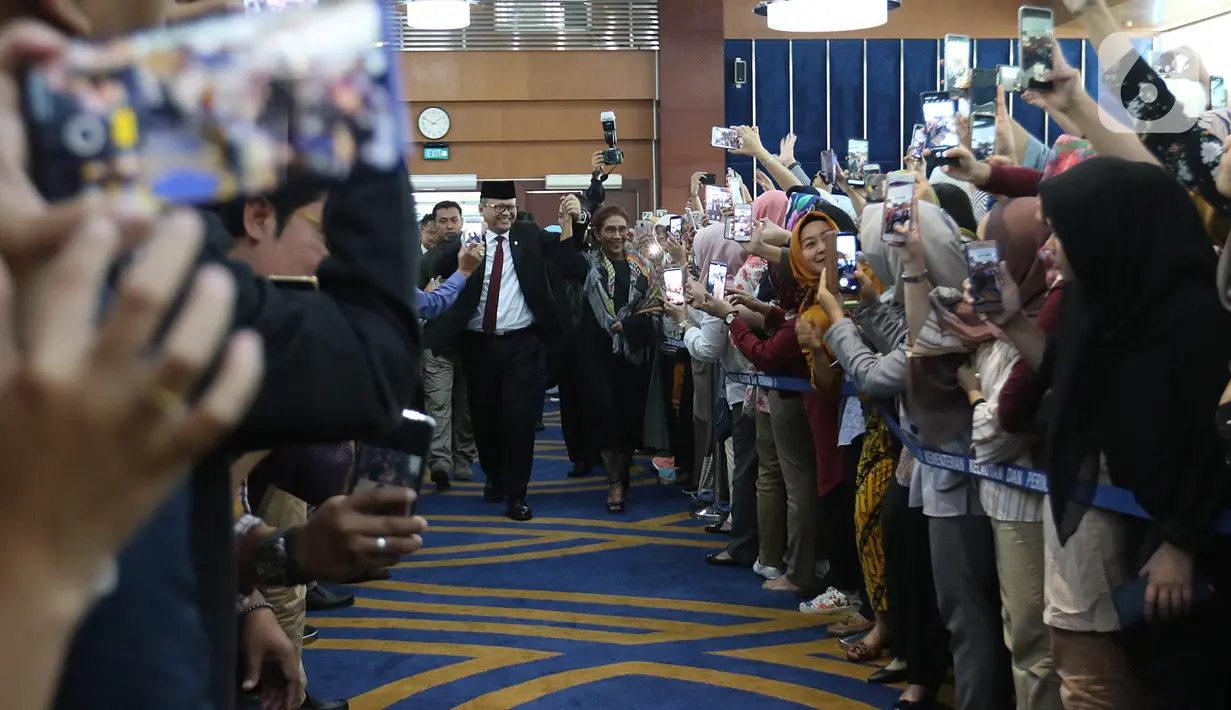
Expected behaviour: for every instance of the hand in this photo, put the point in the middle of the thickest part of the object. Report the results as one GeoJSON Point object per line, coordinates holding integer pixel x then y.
{"type": "Point", "coordinates": [596, 162]}
{"type": "Point", "coordinates": [435, 283]}
{"type": "Point", "coordinates": [101, 421]}
{"type": "Point", "coordinates": [968, 379]}
{"type": "Point", "coordinates": [770, 233]}
{"type": "Point", "coordinates": [339, 541]}
{"type": "Point", "coordinates": [747, 300]}
{"type": "Point", "coordinates": [695, 293]}
{"type": "Point", "coordinates": [270, 660]}
{"type": "Point", "coordinates": [752, 319]}
{"type": "Point", "coordinates": [1169, 594]}
{"type": "Point", "coordinates": [786, 149]}
{"type": "Point", "coordinates": [750, 142]}
{"type": "Point", "coordinates": [469, 258]}
{"type": "Point", "coordinates": [764, 182]}
{"type": "Point", "coordinates": [1222, 177]}
{"type": "Point", "coordinates": [1010, 299]}
{"type": "Point", "coordinates": [1066, 90]}
{"type": "Point", "coordinates": [676, 250]}
{"type": "Point", "coordinates": [718, 308]}
{"type": "Point", "coordinates": [963, 166]}
{"type": "Point", "coordinates": [677, 313]}
{"type": "Point", "coordinates": [570, 207]}
{"type": "Point", "coordinates": [826, 300]}
{"type": "Point", "coordinates": [1006, 144]}
{"type": "Point", "coordinates": [617, 327]}
{"type": "Point", "coordinates": [694, 184]}
{"type": "Point", "coordinates": [868, 295]}
{"type": "Point", "coordinates": [963, 129]}
{"type": "Point", "coordinates": [808, 335]}
{"type": "Point", "coordinates": [911, 244]}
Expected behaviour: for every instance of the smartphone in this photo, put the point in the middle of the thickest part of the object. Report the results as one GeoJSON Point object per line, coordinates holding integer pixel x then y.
{"type": "Point", "coordinates": [716, 279]}
{"type": "Point", "coordinates": [870, 169]}
{"type": "Point", "coordinates": [296, 283]}
{"type": "Point", "coordinates": [939, 121]}
{"type": "Point", "coordinates": [1009, 77]}
{"type": "Point", "coordinates": [472, 238]}
{"type": "Point", "coordinates": [848, 251]}
{"type": "Point", "coordinates": [1036, 29]}
{"type": "Point", "coordinates": [660, 213]}
{"type": "Point", "coordinates": [899, 194]}
{"type": "Point", "coordinates": [397, 459]}
{"type": "Point", "coordinates": [983, 135]}
{"type": "Point", "coordinates": [717, 199]}
{"type": "Point", "coordinates": [917, 139]}
{"type": "Point", "coordinates": [675, 227]}
{"type": "Point", "coordinates": [694, 218]}
{"type": "Point", "coordinates": [876, 187]}
{"type": "Point", "coordinates": [673, 285]}
{"type": "Point", "coordinates": [982, 90]}
{"type": "Point", "coordinates": [957, 63]}
{"type": "Point", "coordinates": [829, 167]}
{"type": "Point", "coordinates": [739, 227]}
{"type": "Point", "coordinates": [856, 156]}
{"type": "Point", "coordinates": [1218, 93]}
{"type": "Point", "coordinates": [983, 267]}
{"type": "Point", "coordinates": [726, 138]}
{"type": "Point", "coordinates": [708, 179]}
{"type": "Point", "coordinates": [200, 112]}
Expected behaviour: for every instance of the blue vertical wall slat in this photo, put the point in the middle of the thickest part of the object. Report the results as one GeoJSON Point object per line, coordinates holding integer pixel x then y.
{"type": "Point", "coordinates": [991, 52]}
{"type": "Point", "coordinates": [773, 77]}
{"type": "Point", "coordinates": [738, 98]}
{"type": "Point", "coordinates": [1031, 118]}
{"type": "Point", "coordinates": [808, 57]}
{"type": "Point", "coordinates": [846, 95]}
{"type": "Point", "coordinates": [1072, 50]}
{"type": "Point", "coordinates": [1091, 76]}
{"type": "Point", "coordinates": [884, 92]}
{"type": "Point", "coordinates": [919, 58]}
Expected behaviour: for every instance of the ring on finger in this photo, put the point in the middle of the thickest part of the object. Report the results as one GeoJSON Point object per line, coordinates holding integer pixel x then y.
{"type": "Point", "coordinates": [381, 544]}
{"type": "Point", "coordinates": [162, 397]}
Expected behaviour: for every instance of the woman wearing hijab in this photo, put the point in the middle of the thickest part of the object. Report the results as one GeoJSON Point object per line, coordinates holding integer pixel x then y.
{"type": "Point", "coordinates": [1135, 371]}
{"type": "Point", "coordinates": [615, 342]}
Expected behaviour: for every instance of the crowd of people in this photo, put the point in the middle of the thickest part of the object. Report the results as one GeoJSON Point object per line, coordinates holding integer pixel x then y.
{"type": "Point", "coordinates": [185, 395]}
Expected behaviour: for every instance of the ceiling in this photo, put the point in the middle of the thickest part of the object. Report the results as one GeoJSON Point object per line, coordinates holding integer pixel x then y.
{"type": "Point", "coordinates": [1162, 14]}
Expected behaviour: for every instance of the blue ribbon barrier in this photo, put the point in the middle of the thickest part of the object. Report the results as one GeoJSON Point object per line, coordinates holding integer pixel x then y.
{"type": "Point", "coordinates": [1106, 497]}
{"type": "Point", "coordinates": [674, 343]}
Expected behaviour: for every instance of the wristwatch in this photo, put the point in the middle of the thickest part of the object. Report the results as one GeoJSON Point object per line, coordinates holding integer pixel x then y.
{"type": "Point", "coordinates": [916, 278]}
{"type": "Point", "coordinates": [730, 318]}
{"type": "Point", "coordinates": [275, 565]}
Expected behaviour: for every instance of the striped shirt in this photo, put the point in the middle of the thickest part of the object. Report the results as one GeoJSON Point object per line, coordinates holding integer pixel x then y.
{"type": "Point", "coordinates": [994, 361]}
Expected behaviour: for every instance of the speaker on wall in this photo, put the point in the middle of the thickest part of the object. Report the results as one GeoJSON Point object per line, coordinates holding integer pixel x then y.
{"type": "Point", "coordinates": [739, 72]}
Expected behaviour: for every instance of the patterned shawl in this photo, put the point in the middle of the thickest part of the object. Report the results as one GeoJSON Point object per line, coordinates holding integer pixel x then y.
{"type": "Point", "coordinates": [599, 292]}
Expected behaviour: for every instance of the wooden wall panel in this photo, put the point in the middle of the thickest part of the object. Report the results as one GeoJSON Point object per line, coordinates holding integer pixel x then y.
{"type": "Point", "coordinates": [492, 121]}
{"type": "Point", "coordinates": [529, 160]}
{"type": "Point", "coordinates": [528, 76]}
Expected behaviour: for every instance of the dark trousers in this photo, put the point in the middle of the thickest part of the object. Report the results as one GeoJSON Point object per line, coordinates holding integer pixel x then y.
{"type": "Point", "coordinates": [742, 546]}
{"type": "Point", "coordinates": [562, 363]}
{"type": "Point", "coordinates": [504, 377]}
{"type": "Point", "coordinates": [681, 431]}
{"type": "Point", "coordinates": [836, 537]}
{"type": "Point", "coordinates": [919, 636]}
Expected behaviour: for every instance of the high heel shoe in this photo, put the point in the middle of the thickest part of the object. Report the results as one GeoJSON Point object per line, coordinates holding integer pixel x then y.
{"type": "Point", "coordinates": [615, 507]}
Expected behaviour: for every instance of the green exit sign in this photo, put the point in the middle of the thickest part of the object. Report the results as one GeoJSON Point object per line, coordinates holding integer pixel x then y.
{"type": "Point", "coordinates": [436, 151]}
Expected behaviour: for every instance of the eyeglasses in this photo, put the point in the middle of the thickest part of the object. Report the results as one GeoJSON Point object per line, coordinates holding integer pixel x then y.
{"type": "Point", "coordinates": [502, 209]}
{"type": "Point", "coordinates": [613, 230]}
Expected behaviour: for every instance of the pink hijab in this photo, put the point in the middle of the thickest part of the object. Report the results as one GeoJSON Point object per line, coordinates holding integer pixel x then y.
{"type": "Point", "coordinates": [771, 205]}
{"type": "Point", "coordinates": [712, 245]}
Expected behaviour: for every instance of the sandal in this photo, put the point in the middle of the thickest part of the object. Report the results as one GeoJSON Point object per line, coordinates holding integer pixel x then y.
{"type": "Point", "coordinates": [860, 652]}
{"type": "Point", "coordinates": [615, 507]}
{"type": "Point", "coordinates": [852, 624]}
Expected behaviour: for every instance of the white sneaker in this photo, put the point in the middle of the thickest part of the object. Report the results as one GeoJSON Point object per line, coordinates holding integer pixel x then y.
{"type": "Point", "coordinates": [766, 572]}
{"type": "Point", "coordinates": [829, 602]}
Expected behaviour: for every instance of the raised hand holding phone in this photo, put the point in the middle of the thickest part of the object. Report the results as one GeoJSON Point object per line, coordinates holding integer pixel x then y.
{"type": "Point", "coordinates": [962, 165]}
{"type": "Point", "coordinates": [1010, 299]}
{"type": "Point", "coordinates": [1065, 90]}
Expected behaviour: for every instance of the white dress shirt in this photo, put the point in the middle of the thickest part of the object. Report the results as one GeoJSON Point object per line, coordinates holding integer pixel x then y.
{"type": "Point", "coordinates": [512, 313]}
{"type": "Point", "coordinates": [708, 340]}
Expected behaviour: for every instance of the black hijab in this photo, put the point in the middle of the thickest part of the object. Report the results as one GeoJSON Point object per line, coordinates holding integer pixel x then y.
{"type": "Point", "coordinates": [1141, 354]}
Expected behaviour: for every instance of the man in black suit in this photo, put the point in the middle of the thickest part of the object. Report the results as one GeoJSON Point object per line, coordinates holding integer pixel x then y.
{"type": "Point", "coordinates": [500, 322]}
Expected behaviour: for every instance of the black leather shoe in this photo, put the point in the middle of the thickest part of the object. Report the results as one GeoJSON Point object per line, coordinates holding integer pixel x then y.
{"type": "Point", "coordinates": [518, 510]}
{"type": "Point", "coordinates": [714, 559]}
{"type": "Point", "coordinates": [311, 703]}
{"type": "Point", "coordinates": [716, 528]}
{"type": "Point", "coordinates": [929, 704]}
{"type": "Point", "coordinates": [322, 598]}
{"type": "Point", "coordinates": [373, 575]}
{"type": "Point", "coordinates": [310, 633]}
{"type": "Point", "coordinates": [888, 677]}
{"type": "Point", "coordinates": [441, 479]}
{"type": "Point", "coordinates": [491, 494]}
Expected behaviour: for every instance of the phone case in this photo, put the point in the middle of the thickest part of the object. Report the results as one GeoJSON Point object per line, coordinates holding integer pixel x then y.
{"type": "Point", "coordinates": [397, 459]}
{"type": "Point", "coordinates": [219, 107]}
{"type": "Point", "coordinates": [899, 196]}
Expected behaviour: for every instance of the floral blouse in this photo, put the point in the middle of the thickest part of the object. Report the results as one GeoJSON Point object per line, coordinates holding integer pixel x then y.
{"type": "Point", "coordinates": [1193, 155]}
{"type": "Point", "coordinates": [748, 280]}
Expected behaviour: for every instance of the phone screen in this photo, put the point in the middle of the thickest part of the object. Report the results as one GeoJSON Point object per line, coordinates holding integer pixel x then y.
{"type": "Point", "coordinates": [397, 459]}
{"type": "Point", "coordinates": [717, 199]}
{"type": "Point", "coordinates": [847, 246]}
{"type": "Point", "coordinates": [295, 283]}
{"type": "Point", "coordinates": [983, 266]}
{"type": "Point", "coordinates": [829, 167]}
{"type": "Point", "coordinates": [673, 285]}
{"type": "Point", "coordinates": [1036, 28]}
{"type": "Point", "coordinates": [675, 227]}
{"type": "Point", "coordinates": [708, 179]}
{"type": "Point", "coordinates": [1009, 77]}
{"type": "Point", "coordinates": [724, 138]}
{"type": "Point", "coordinates": [983, 91]}
{"type": "Point", "coordinates": [739, 227]}
{"type": "Point", "coordinates": [917, 140]}
{"type": "Point", "coordinates": [940, 121]}
{"type": "Point", "coordinates": [957, 63]}
{"type": "Point", "coordinates": [1218, 93]}
{"type": "Point", "coordinates": [716, 279]}
{"type": "Point", "coordinates": [899, 194]}
{"type": "Point", "coordinates": [982, 135]}
{"type": "Point", "coordinates": [856, 156]}
{"type": "Point", "coordinates": [200, 112]}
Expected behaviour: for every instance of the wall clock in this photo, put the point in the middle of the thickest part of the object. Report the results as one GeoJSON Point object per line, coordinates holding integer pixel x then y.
{"type": "Point", "coordinates": [433, 123]}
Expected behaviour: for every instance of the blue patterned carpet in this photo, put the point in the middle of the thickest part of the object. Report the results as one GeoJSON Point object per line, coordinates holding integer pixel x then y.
{"type": "Point", "coordinates": [577, 609]}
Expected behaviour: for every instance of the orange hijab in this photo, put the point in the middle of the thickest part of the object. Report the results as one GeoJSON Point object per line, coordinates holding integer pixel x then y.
{"type": "Point", "coordinates": [810, 312]}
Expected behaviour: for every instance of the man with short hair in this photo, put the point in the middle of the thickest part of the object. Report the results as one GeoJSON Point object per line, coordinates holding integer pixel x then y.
{"type": "Point", "coordinates": [427, 233]}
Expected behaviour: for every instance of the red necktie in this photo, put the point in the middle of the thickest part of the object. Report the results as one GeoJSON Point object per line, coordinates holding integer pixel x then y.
{"type": "Point", "coordinates": [493, 289]}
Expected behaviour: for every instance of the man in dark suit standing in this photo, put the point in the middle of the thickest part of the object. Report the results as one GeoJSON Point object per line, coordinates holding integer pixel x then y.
{"type": "Point", "coordinates": [500, 323]}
